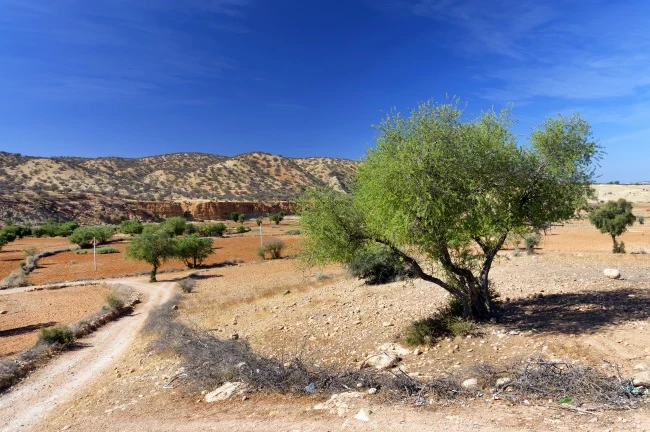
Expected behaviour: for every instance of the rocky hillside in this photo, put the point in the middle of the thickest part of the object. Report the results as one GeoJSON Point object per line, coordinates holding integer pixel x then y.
{"type": "Point", "coordinates": [35, 188]}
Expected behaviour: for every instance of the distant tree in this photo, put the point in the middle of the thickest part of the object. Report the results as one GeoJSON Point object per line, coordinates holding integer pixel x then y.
{"type": "Point", "coordinates": [83, 236]}
{"type": "Point", "coordinates": [6, 237]}
{"type": "Point", "coordinates": [259, 221]}
{"type": "Point", "coordinates": [193, 249]}
{"type": "Point", "coordinates": [276, 217]}
{"type": "Point", "coordinates": [132, 226]}
{"type": "Point", "coordinates": [241, 218]}
{"type": "Point", "coordinates": [234, 216]}
{"type": "Point", "coordinates": [176, 225]}
{"type": "Point", "coordinates": [442, 192]}
{"type": "Point", "coordinates": [613, 218]}
{"type": "Point", "coordinates": [154, 246]}
{"type": "Point", "coordinates": [212, 230]}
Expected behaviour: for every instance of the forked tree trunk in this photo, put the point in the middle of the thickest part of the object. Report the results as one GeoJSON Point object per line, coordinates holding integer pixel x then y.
{"type": "Point", "coordinates": [152, 275]}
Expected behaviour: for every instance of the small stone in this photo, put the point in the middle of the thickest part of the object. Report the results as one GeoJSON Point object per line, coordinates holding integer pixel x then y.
{"type": "Point", "coordinates": [227, 391]}
{"type": "Point", "coordinates": [503, 381]}
{"type": "Point", "coordinates": [417, 351]}
{"type": "Point", "coordinates": [387, 324]}
{"type": "Point", "coordinates": [470, 383]}
{"type": "Point", "coordinates": [641, 379]}
{"type": "Point", "coordinates": [372, 390]}
{"type": "Point", "coordinates": [3, 312]}
{"type": "Point", "coordinates": [175, 307]}
{"type": "Point", "coordinates": [234, 336]}
{"type": "Point", "coordinates": [287, 292]}
{"type": "Point", "coordinates": [612, 273]}
{"type": "Point", "coordinates": [362, 415]}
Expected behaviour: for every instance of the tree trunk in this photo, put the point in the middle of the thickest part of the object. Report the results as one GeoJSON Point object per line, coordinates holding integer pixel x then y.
{"type": "Point", "coordinates": [615, 248]}
{"type": "Point", "coordinates": [152, 275]}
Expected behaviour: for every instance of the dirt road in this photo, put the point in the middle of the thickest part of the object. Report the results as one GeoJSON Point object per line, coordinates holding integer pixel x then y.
{"type": "Point", "coordinates": [30, 401]}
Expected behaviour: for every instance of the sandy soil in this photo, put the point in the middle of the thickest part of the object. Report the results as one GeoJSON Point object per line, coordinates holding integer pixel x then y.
{"type": "Point", "coordinates": [49, 387]}
{"type": "Point", "coordinates": [29, 312]}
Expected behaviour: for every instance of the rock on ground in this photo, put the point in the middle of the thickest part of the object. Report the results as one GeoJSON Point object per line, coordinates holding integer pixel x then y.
{"type": "Point", "coordinates": [227, 391]}
{"type": "Point", "coordinates": [612, 273]}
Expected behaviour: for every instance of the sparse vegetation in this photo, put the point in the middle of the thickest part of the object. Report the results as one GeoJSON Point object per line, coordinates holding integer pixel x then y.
{"type": "Point", "coordinates": [293, 232]}
{"type": "Point", "coordinates": [175, 225]}
{"type": "Point", "coordinates": [640, 219]}
{"type": "Point", "coordinates": [106, 250]}
{"type": "Point", "coordinates": [59, 334]}
{"type": "Point", "coordinates": [531, 240]}
{"type": "Point", "coordinates": [113, 301]}
{"type": "Point", "coordinates": [53, 228]}
{"type": "Point", "coordinates": [276, 217]}
{"type": "Point", "coordinates": [613, 218]}
{"type": "Point", "coordinates": [272, 249]}
{"type": "Point", "coordinates": [154, 246]}
{"type": "Point", "coordinates": [187, 284]}
{"type": "Point", "coordinates": [447, 322]}
{"type": "Point", "coordinates": [241, 229]}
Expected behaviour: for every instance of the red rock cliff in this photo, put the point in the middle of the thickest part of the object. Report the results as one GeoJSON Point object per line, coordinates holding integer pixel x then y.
{"type": "Point", "coordinates": [207, 210]}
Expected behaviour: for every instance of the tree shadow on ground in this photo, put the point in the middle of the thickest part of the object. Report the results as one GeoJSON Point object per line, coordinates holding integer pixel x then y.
{"type": "Point", "coordinates": [25, 329]}
{"type": "Point", "coordinates": [579, 312]}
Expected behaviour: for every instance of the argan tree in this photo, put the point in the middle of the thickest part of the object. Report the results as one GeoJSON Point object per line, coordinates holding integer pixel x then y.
{"type": "Point", "coordinates": [443, 192]}
{"type": "Point", "coordinates": [613, 218]}
{"type": "Point", "coordinates": [193, 250]}
{"type": "Point", "coordinates": [154, 246]}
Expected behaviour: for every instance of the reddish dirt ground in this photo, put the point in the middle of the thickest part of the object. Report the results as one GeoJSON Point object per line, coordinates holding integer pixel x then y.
{"type": "Point", "coordinates": [13, 253]}
{"type": "Point", "coordinates": [28, 312]}
{"type": "Point", "coordinates": [69, 266]}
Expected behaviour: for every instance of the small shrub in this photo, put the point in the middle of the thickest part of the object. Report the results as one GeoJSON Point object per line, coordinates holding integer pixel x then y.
{"type": "Point", "coordinates": [81, 251]}
{"type": "Point", "coordinates": [241, 218]}
{"type": "Point", "coordinates": [378, 265]}
{"type": "Point", "coordinates": [276, 217]}
{"type": "Point", "coordinates": [641, 220]}
{"type": "Point", "coordinates": [234, 216]}
{"type": "Point", "coordinates": [114, 302]}
{"type": "Point", "coordinates": [30, 251]}
{"type": "Point", "coordinates": [619, 247]}
{"type": "Point", "coordinates": [259, 221]}
{"type": "Point", "coordinates": [272, 248]}
{"type": "Point", "coordinates": [107, 250]}
{"type": "Point", "coordinates": [242, 229]}
{"type": "Point", "coordinates": [293, 232]}
{"type": "Point", "coordinates": [187, 285]}
{"type": "Point", "coordinates": [132, 226]}
{"type": "Point", "coordinates": [15, 279]}
{"type": "Point", "coordinates": [212, 230]}
{"type": "Point", "coordinates": [445, 323]}
{"type": "Point", "coordinates": [531, 240]}
{"type": "Point", "coordinates": [59, 334]}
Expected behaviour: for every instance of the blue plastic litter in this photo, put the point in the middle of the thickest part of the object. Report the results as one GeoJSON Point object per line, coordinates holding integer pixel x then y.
{"type": "Point", "coordinates": [310, 388]}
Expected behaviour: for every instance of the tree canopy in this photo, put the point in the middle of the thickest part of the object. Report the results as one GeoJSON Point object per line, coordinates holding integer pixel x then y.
{"type": "Point", "coordinates": [154, 246]}
{"type": "Point", "coordinates": [613, 218]}
{"type": "Point", "coordinates": [443, 193]}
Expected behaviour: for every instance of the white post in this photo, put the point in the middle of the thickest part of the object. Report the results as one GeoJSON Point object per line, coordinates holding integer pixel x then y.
{"type": "Point", "coordinates": [261, 235]}
{"type": "Point", "coordinates": [95, 253]}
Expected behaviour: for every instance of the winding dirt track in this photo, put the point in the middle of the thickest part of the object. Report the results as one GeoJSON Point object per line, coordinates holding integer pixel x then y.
{"type": "Point", "coordinates": [30, 401]}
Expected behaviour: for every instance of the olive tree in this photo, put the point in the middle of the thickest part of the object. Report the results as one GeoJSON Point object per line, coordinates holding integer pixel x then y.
{"type": "Point", "coordinates": [154, 246]}
{"type": "Point", "coordinates": [613, 218]}
{"type": "Point", "coordinates": [443, 193]}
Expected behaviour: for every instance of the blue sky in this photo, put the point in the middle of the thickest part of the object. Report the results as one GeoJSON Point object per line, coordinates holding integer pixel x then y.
{"type": "Point", "coordinates": [309, 78]}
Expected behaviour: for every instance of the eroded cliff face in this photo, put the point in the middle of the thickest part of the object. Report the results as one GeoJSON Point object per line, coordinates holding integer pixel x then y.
{"type": "Point", "coordinates": [210, 210]}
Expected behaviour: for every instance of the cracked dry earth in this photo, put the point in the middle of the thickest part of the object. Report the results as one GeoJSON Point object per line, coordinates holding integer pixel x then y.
{"type": "Point", "coordinates": [556, 302]}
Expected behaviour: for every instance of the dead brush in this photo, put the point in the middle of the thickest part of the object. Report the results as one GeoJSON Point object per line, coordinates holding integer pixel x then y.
{"type": "Point", "coordinates": [539, 378]}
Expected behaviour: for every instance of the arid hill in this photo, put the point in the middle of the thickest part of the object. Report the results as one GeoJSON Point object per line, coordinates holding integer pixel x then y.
{"type": "Point", "coordinates": [33, 189]}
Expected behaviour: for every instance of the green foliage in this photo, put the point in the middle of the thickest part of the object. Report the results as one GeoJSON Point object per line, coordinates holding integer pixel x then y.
{"type": "Point", "coordinates": [154, 246]}
{"type": "Point", "coordinates": [641, 220]}
{"type": "Point", "coordinates": [131, 226]}
{"type": "Point", "coordinates": [52, 228]}
{"type": "Point", "coordinates": [212, 230]}
{"type": "Point", "coordinates": [17, 231]}
{"type": "Point", "coordinates": [259, 221]}
{"type": "Point", "coordinates": [613, 218]}
{"type": "Point", "coordinates": [193, 250]}
{"type": "Point", "coordinates": [81, 251]}
{"type": "Point", "coordinates": [241, 218]}
{"type": "Point", "coordinates": [293, 232]}
{"type": "Point", "coordinates": [234, 216]}
{"type": "Point", "coordinates": [114, 302]}
{"type": "Point", "coordinates": [106, 250]}
{"type": "Point", "coordinates": [272, 248]}
{"type": "Point", "coordinates": [175, 225]}
{"type": "Point", "coordinates": [59, 334]}
{"type": "Point", "coordinates": [531, 241]}
{"type": "Point", "coordinates": [6, 236]}
{"type": "Point", "coordinates": [242, 229]}
{"type": "Point", "coordinates": [378, 265]}
{"type": "Point", "coordinates": [30, 251]}
{"type": "Point", "coordinates": [446, 323]}
{"type": "Point", "coordinates": [83, 236]}
{"type": "Point", "coordinates": [441, 188]}
{"type": "Point", "coordinates": [276, 217]}
{"type": "Point", "coordinates": [190, 228]}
